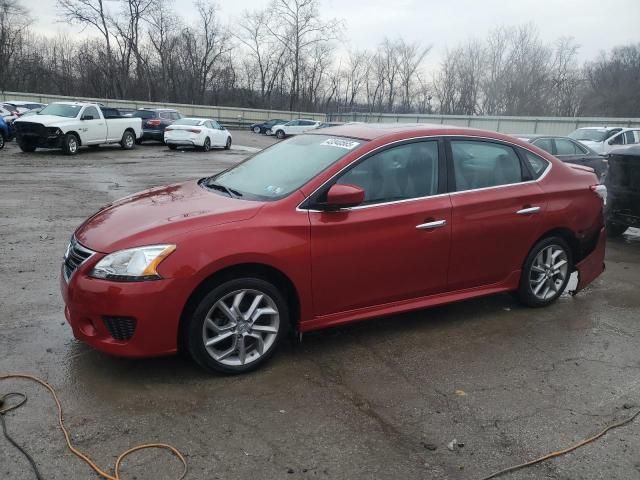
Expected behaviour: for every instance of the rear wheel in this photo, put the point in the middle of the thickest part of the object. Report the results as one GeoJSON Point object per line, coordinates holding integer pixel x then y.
{"type": "Point", "coordinates": [227, 145]}
{"type": "Point", "coordinates": [237, 326]}
{"type": "Point", "coordinates": [70, 144]}
{"type": "Point", "coordinates": [256, 129]}
{"type": "Point", "coordinates": [615, 229]}
{"type": "Point", "coordinates": [206, 146]}
{"type": "Point", "coordinates": [128, 141]}
{"type": "Point", "coordinates": [546, 272]}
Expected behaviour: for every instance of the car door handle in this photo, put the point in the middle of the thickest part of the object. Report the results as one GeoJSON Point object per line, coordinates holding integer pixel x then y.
{"type": "Point", "coordinates": [431, 225]}
{"type": "Point", "coordinates": [528, 210]}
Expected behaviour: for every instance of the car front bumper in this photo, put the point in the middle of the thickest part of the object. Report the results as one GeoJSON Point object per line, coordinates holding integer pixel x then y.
{"type": "Point", "coordinates": [99, 311]}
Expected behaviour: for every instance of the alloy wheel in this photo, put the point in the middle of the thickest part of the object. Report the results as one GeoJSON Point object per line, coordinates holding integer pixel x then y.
{"type": "Point", "coordinates": [548, 272]}
{"type": "Point", "coordinates": [129, 141]}
{"type": "Point", "coordinates": [207, 144]}
{"type": "Point", "coordinates": [72, 144]}
{"type": "Point", "coordinates": [241, 327]}
{"type": "Point", "coordinates": [256, 129]}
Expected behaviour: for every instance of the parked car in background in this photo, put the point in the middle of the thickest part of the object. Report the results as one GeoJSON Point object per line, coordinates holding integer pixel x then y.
{"type": "Point", "coordinates": [568, 150]}
{"type": "Point", "coordinates": [32, 112]}
{"type": "Point", "coordinates": [623, 190]}
{"type": "Point", "coordinates": [394, 218]}
{"type": "Point", "coordinates": [7, 114]}
{"type": "Point", "coordinates": [154, 122]}
{"type": "Point", "coordinates": [5, 133]}
{"type": "Point", "coordinates": [262, 127]}
{"type": "Point", "coordinates": [601, 139]}
{"type": "Point", "coordinates": [202, 133]}
{"type": "Point", "coordinates": [330, 124]}
{"type": "Point", "coordinates": [294, 127]}
{"type": "Point", "coordinates": [22, 107]}
{"type": "Point", "coordinates": [126, 111]}
{"type": "Point", "coordinates": [70, 125]}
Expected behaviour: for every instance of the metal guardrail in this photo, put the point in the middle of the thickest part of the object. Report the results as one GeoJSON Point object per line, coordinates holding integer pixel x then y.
{"type": "Point", "coordinates": [243, 117]}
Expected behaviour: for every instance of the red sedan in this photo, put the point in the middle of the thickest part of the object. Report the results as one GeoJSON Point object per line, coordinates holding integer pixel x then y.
{"type": "Point", "coordinates": [338, 225]}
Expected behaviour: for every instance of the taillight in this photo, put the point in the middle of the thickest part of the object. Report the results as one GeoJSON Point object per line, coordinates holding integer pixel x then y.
{"type": "Point", "coordinates": [601, 191]}
{"type": "Point", "coordinates": [195, 130]}
{"type": "Point", "coordinates": [153, 122]}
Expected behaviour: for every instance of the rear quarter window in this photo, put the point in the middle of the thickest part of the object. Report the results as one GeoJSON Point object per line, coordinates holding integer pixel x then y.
{"type": "Point", "coordinates": [536, 164]}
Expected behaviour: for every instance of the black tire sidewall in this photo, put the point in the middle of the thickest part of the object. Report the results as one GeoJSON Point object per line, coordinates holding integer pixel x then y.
{"type": "Point", "coordinates": [525, 294]}
{"type": "Point", "coordinates": [193, 331]}
{"type": "Point", "coordinates": [123, 143]}
{"type": "Point", "coordinates": [206, 147]}
{"type": "Point", "coordinates": [227, 145]}
{"type": "Point", "coordinates": [65, 144]}
{"type": "Point", "coordinates": [280, 134]}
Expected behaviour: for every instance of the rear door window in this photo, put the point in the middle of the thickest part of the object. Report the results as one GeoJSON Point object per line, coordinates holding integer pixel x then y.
{"type": "Point", "coordinates": [565, 147]}
{"type": "Point", "coordinates": [544, 143]}
{"type": "Point", "coordinates": [478, 164]}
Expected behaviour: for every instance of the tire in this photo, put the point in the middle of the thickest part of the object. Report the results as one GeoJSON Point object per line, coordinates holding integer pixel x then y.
{"type": "Point", "coordinates": [227, 145]}
{"type": "Point", "coordinates": [257, 130]}
{"type": "Point", "coordinates": [267, 131]}
{"type": "Point", "coordinates": [280, 134]}
{"type": "Point", "coordinates": [615, 229]}
{"type": "Point", "coordinates": [128, 141]}
{"type": "Point", "coordinates": [2, 141]}
{"type": "Point", "coordinates": [70, 144]}
{"type": "Point", "coordinates": [172, 147]}
{"type": "Point", "coordinates": [27, 147]}
{"type": "Point", "coordinates": [206, 145]}
{"type": "Point", "coordinates": [209, 314]}
{"type": "Point", "coordinates": [539, 285]}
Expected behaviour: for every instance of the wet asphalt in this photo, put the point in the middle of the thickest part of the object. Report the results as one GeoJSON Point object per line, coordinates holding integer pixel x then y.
{"type": "Point", "coordinates": [376, 400]}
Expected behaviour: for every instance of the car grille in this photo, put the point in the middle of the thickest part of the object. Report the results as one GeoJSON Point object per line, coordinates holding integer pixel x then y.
{"type": "Point", "coordinates": [30, 128]}
{"type": "Point", "coordinates": [75, 256]}
{"type": "Point", "coordinates": [120, 328]}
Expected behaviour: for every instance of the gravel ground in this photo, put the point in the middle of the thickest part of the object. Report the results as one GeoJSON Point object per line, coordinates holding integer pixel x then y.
{"type": "Point", "coordinates": [376, 400]}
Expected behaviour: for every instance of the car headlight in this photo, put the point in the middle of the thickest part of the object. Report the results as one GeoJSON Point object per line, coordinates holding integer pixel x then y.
{"type": "Point", "coordinates": [133, 264]}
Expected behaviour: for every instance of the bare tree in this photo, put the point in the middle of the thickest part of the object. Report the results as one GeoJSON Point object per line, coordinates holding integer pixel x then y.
{"type": "Point", "coordinates": [13, 20]}
{"type": "Point", "coordinates": [410, 58]}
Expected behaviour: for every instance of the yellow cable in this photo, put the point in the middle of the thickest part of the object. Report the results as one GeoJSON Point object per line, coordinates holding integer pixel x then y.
{"type": "Point", "coordinates": [85, 458]}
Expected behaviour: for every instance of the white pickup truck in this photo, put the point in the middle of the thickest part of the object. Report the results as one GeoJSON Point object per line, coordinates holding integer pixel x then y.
{"type": "Point", "coordinates": [70, 125]}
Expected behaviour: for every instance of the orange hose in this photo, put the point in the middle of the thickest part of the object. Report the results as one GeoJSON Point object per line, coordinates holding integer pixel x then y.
{"type": "Point", "coordinates": [85, 458]}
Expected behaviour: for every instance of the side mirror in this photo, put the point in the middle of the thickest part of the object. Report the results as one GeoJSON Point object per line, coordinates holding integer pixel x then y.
{"type": "Point", "coordinates": [87, 117]}
{"type": "Point", "coordinates": [344, 196]}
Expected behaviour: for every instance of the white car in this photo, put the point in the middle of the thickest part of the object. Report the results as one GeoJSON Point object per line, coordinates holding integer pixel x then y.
{"type": "Point", "coordinates": [202, 133]}
{"type": "Point", "coordinates": [603, 139]}
{"type": "Point", "coordinates": [23, 107]}
{"type": "Point", "coordinates": [294, 127]}
{"type": "Point", "coordinates": [7, 114]}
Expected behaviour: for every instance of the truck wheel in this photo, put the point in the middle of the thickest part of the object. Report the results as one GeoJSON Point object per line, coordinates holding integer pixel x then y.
{"type": "Point", "coordinates": [1, 141]}
{"type": "Point", "coordinates": [70, 144]}
{"type": "Point", "coordinates": [26, 146]}
{"type": "Point", "coordinates": [128, 141]}
{"type": "Point", "coordinates": [615, 229]}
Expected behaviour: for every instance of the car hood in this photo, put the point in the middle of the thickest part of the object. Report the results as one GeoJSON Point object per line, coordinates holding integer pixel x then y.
{"type": "Point", "coordinates": [47, 120]}
{"type": "Point", "coordinates": [159, 215]}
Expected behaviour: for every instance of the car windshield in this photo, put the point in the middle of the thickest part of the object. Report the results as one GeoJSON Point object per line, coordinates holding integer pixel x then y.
{"type": "Point", "coordinates": [286, 166]}
{"type": "Point", "coordinates": [188, 121]}
{"type": "Point", "coordinates": [61, 110]}
{"type": "Point", "coordinates": [590, 134]}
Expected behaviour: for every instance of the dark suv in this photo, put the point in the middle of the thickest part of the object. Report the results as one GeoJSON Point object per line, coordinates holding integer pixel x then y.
{"type": "Point", "coordinates": [154, 121]}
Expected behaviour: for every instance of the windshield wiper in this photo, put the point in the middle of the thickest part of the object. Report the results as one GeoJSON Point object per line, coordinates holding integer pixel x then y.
{"type": "Point", "coordinates": [229, 191]}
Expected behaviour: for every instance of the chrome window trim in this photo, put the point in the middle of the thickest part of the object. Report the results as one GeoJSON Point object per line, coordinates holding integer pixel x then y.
{"type": "Point", "coordinates": [429, 137]}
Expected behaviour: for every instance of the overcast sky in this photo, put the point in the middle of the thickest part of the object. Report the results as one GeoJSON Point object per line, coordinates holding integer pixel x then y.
{"type": "Point", "coordinates": [595, 24]}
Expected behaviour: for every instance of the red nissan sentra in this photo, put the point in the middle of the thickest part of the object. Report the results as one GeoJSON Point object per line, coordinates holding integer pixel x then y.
{"type": "Point", "coordinates": [330, 227]}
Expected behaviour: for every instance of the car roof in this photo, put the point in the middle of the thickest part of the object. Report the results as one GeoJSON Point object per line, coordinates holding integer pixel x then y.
{"type": "Point", "coordinates": [373, 131]}
{"type": "Point", "coordinates": [598, 128]}
{"type": "Point", "coordinates": [153, 109]}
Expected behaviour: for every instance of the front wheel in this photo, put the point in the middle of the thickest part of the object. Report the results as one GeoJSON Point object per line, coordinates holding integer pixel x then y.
{"type": "Point", "coordinates": [280, 134]}
{"type": "Point", "coordinates": [227, 145]}
{"type": "Point", "coordinates": [237, 326]}
{"type": "Point", "coordinates": [128, 141]}
{"type": "Point", "coordinates": [26, 146]}
{"type": "Point", "coordinates": [70, 144]}
{"type": "Point", "coordinates": [546, 272]}
{"type": "Point", "coordinates": [615, 229]}
{"type": "Point", "coordinates": [206, 146]}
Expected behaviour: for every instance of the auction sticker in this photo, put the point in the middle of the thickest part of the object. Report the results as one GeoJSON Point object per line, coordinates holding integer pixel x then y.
{"type": "Point", "coordinates": [340, 143]}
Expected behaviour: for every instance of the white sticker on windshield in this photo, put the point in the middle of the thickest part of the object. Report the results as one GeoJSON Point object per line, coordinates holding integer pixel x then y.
{"type": "Point", "coordinates": [341, 143]}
